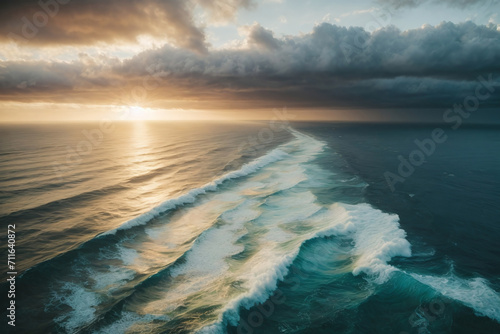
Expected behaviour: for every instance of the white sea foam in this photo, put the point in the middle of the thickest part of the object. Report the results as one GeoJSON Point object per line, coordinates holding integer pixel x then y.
{"type": "Point", "coordinates": [474, 293]}
{"type": "Point", "coordinates": [81, 301]}
{"type": "Point", "coordinates": [205, 262]}
{"type": "Point", "coordinates": [293, 207]}
{"type": "Point", "coordinates": [307, 148]}
{"type": "Point", "coordinates": [266, 271]}
{"type": "Point", "coordinates": [376, 235]}
{"type": "Point", "coordinates": [377, 238]}
{"type": "Point", "coordinates": [290, 206]}
{"type": "Point", "coordinates": [241, 214]}
{"type": "Point", "coordinates": [84, 297]}
{"type": "Point", "coordinates": [190, 197]}
{"type": "Point", "coordinates": [113, 279]}
{"type": "Point", "coordinates": [206, 258]}
{"type": "Point", "coordinates": [128, 255]}
{"type": "Point", "coordinates": [127, 321]}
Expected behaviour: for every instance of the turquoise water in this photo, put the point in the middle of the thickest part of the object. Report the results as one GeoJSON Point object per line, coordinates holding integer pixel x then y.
{"type": "Point", "coordinates": [252, 228]}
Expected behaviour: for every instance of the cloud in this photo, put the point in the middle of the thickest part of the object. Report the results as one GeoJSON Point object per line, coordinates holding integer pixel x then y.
{"type": "Point", "coordinates": [451, 3]}
{"type": "Point", "coordinates": [430, 67]}
{"type": "Point", "coordinates": [332, 52]}
{"type": "Point", "coordinates": [225, 10]}
{"type": "Point", "coordinates": [262, 37]}
{"type": "Point", "coordinates": [56, 22]}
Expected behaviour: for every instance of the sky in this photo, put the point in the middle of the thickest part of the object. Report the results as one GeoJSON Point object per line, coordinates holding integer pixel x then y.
{"type": "Point", "coordinates": [361, 60]}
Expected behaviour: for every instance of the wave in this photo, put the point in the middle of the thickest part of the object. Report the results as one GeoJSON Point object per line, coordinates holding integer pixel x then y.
{"type": "Point", "coordinates": [377, 239]}
{"type": "Point", "coordinates": [78, 200]}
{"type": "Point", "coordinates": [228, 251]}
{"type": "Point", "coordinates": [275, 214]}
{"type": "Point", "coordinates": [119, 268]}
{"type": "Point", "coordinates": [376, 236]}
{"type": "Point", "coordinates": [128, 320]}
{"type": "Point", "coordinates": [80, 300]}
{"type": "Point", "coordinates": [247, 169]}
{"type": "Point", "coordinates": [190, 197]}
{"type": "Point", "coordinates": [206, 259]}
{"type": "Point", "coordinates": [474, 293]}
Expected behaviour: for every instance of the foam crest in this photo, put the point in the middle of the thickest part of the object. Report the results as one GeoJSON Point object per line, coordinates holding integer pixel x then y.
{"type": "Point", "coordinates": [206, 262]}
{"type": "Point", "coordinates": [376, 235]}
{"type": "Point", "coordinates": [81, 301]}
{"type": "Point", "coordinates": [113, 279]}
{"type": "Point", "coordinates": [267, 271]}
{"type": "Point", "coordinates": [307, 148]}
{"type": "Point", "coordinates": [278, 214]}
{"type": "Point", "coordinates": [129, 320]}
{"type": "Point", "coordinates": [190, 197]}
{"type": "Point", "coordinates": [474, 293]}
{"type": "Point", "coordinates": [377, 239]}
{"type": "Point", "coordinates": [294, 207]}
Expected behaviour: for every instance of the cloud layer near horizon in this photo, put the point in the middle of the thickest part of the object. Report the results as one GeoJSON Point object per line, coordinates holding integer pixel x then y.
{"type": "Point", "coordinates": [330, 67]}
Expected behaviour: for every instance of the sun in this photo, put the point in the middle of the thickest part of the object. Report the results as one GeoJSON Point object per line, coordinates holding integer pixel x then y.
{"type": "Point", "coordinates": [136, 113]}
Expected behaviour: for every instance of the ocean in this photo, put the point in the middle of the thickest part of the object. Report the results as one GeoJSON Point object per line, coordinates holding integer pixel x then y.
{"type": "Point", "coordinates": [251, 227]}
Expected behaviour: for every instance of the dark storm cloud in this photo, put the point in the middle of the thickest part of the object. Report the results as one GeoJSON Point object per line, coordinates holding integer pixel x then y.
{"type": "Point", "coordinates": [332, 53]}
{"type": "Point", "coordinates": [330, 67]}
{"type": "Point", "coordinates": [49, 22]}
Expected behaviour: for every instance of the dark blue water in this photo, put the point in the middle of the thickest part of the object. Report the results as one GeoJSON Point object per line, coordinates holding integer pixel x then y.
{"type": "Point", "coordinates": [251, 228]}
{"type": "Point", "coordinates": [450, 209]}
